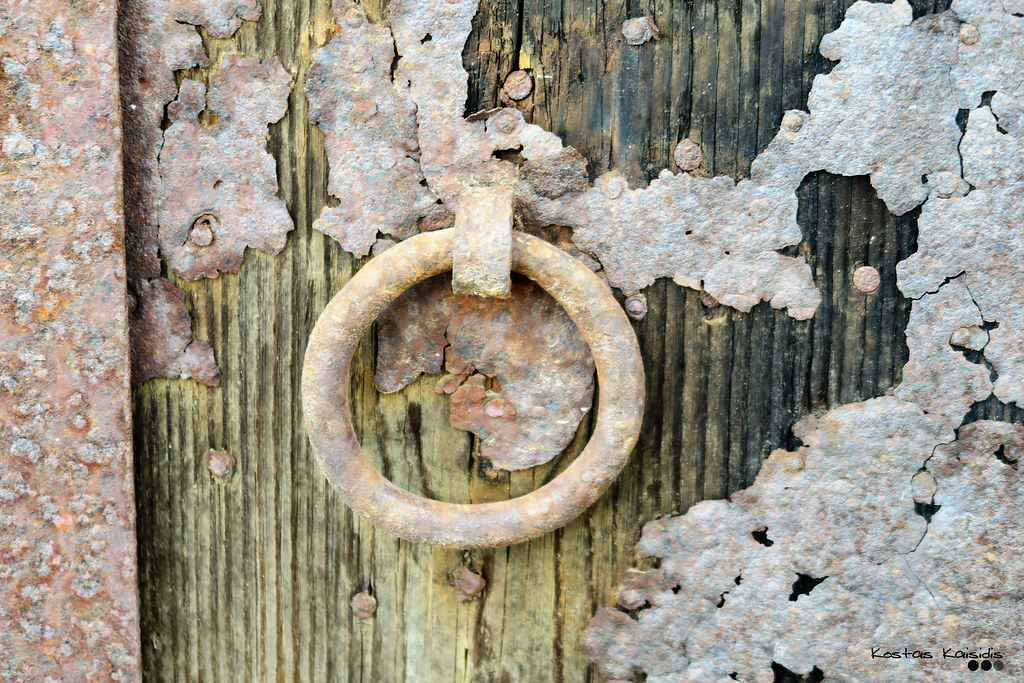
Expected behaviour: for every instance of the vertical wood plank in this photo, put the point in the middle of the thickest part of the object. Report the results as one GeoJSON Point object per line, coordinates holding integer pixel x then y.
{"type": "Point", "coordinates": [251, 581]}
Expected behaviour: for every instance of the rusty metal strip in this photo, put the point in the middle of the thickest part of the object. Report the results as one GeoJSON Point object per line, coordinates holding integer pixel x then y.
{"type": "Point", "coordinates": [68, 601]}
{"type": "Point", "coordinates": [482, 249]}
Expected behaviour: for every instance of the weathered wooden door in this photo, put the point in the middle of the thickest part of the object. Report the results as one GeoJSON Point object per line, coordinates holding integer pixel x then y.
{"type": "Point", "coordinates": [250, 577]}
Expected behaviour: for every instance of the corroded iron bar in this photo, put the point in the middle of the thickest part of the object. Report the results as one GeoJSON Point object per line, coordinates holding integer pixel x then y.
{"type": "Point", "coordinates": [68, 599]}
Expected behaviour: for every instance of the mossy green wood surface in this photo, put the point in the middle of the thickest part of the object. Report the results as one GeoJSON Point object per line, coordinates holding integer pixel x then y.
{"type": "Point", "coordinates": [251, 581]}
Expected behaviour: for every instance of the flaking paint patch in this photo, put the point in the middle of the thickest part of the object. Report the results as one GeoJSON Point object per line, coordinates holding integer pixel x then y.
{"type": "Point", "coordinates": [859, 119]}
{"type": "Point", "coordinates": [704, 233]}
{"type": "Point", "coordinates": [840, 511]}
{"type": "Point", "coordinates": [162, 343]}
{"type": "Point", "coordinates": [546, 375]}
{"type": "Point", "coordinates": [979, 235]}
{"type": "Point", "coordinates": [369, 123]}
{"type": "Point", "coordinates": [218, 184]}
{"type": "Point", "coordinates": [157, 38]}
{"type": "Point", "coordinates": [937, 376]}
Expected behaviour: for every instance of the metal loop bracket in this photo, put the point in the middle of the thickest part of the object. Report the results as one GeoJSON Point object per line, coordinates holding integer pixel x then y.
{"type": "Point", "coordinates": [325, 377]}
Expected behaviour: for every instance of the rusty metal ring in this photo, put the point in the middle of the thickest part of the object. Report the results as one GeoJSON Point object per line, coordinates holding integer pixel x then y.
{"type": "Point", "coordinates": [325, 377]}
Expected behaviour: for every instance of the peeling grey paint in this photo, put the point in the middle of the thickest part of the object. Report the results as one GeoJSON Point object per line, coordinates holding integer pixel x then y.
{"type": "Point", "coordinates": [725, 598]}
{"type": "Point", "coordinates": [198, 195]}
{"type": "Point", "coordinates": [900, 529]}
{"type": "Point", "coordinates": [369, 124]}
{"type": "Point", "coordinates": [937, 376]}
{"type": "Point", "coordinates": [979, 235]}
{"type": "Point", "coordinates": [218, 184]}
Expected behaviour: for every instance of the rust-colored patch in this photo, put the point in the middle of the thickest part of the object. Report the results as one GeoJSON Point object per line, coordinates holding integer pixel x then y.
{"type": "Point", "coordinates": [556, 174]}
{"type": "Point", "coordinates": [218, 184]}
{"type": "Point", "coordinates": [162, 343]}
{"type": "Point", "coordinates": [694, 230]}
{"type": "Point", "coordinates": [68, 598]}
{"type": "Point", "coordinates": [527, 343]}
{"type": "Point", "coordinates": [885, 530]}
{"type": "Point", "coordinates": [157, 38]}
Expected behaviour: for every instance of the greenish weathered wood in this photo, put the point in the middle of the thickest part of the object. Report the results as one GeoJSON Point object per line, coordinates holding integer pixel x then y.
{"type": "Point", "coordinates": [251, 581]}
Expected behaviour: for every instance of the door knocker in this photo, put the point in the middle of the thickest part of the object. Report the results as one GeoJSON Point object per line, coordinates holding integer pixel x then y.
{"type": "Point", "coordinates": [591, 306]}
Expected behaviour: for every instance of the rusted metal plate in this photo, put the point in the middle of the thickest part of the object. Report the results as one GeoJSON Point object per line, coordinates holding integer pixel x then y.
{"type": "Point", "coordinates": [527, 343]}
{"type": "Point", "coordinates": [68, 602]}
{"type": "Point", "coordinates": [218, 183]}
{"type": "Point", "coordinates": [159, 37]}
{"type": "Point", "coordinates": [887, 109]}
{"type": "Point", "coordinates": [824, 558]}
{"type": "Point", "coordinates": [162, 344]}
{"type": "Point", "coordinates": [325, 403]}
{"type": "Point", "coordinates": [393, 116]}
{"type": "Point", "coordinates": [369, 123]}
{"type": "Point", "coordinates": [214, 188]}
{"type": "Point", "coordinates": [705, 233]}
{"type": "Point", "coordinates": [887, 530]}
{"type": "Point", "coordinates": [990, 54]}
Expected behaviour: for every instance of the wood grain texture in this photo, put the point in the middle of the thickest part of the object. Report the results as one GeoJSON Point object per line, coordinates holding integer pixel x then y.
{"type": "Point", "coordinates": [251, 581]}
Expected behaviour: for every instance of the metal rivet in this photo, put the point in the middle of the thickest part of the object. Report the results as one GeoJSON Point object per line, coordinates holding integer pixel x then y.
{"type": "Point", "coordinates": [518, 85]}
{"type": "Point", "coordinates": [866, 279]}
{"type": "Point", "coordinates": [364, 605]}
{"type": "Point", "coordinates": [220, 463]}
{"type": "Point", "coordinates": [793, 120]}
{"type": "Point", "coordinates": [969, 35]}
{"type": "Point", "coordinates": [945, 182]}
{"type": "Point", "coordinates": [688, 155]}
{"type": "Point", "coordinates": [636, 306]}
{"type": "Point", "coordinates": [639, 30]}
{"type": "Point", "coordinates": [201, 234]}
{"type": "Point", "coordinates": [494, 408]}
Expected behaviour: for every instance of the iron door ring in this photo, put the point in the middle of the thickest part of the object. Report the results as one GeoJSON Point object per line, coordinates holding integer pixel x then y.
{"type": "Point", "coordinates": [325, 376]}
